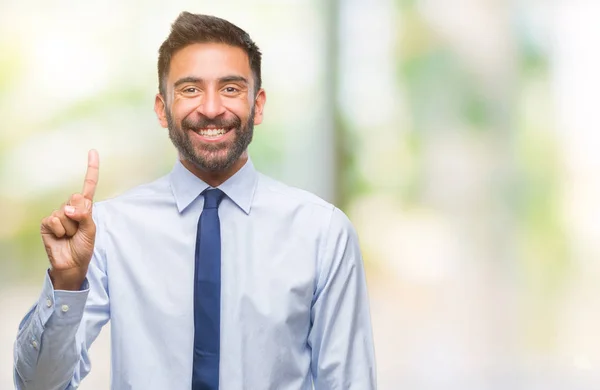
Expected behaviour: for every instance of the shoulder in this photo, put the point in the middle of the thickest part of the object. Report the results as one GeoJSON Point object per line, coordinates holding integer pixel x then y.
{"type": "Point", "coordinates": [148, 193]}
{"type": "Point", "coordinates": [277, 191]}
{"type": "Point", "coordinates": [282, 197]}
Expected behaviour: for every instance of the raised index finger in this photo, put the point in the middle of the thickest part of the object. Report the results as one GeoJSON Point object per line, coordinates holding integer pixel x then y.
{"type": "Point", "coordinates": [91, 176]}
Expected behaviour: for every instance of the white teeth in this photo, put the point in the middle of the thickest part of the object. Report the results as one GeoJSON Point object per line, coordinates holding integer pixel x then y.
{"type": "Point", "coordinates": [211, 132]}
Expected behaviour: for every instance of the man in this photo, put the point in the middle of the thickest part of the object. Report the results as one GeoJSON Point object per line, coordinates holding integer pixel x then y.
{"type": "Point", "coordinates": [213, 277]}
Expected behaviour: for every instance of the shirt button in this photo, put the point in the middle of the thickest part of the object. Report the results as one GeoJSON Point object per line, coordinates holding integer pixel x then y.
{"type": "Point", "coordinates": [34, 344]}
{"type": "Point", "coordinates": [48, 302]}
{"type": "Point", "coordinates": [64, 308]}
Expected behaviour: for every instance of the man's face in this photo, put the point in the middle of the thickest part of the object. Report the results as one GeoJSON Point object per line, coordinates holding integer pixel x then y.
{"type": "Point", "coordinates": [210, 107]}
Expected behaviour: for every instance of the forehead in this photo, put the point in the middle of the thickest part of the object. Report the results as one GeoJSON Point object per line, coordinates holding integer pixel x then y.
{"type": "Point", "coordinates": [209, 61]}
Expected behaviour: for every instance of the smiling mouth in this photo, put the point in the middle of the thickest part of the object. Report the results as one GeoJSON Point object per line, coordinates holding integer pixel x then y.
{"type": "Point", "coordinates": [212, 132]}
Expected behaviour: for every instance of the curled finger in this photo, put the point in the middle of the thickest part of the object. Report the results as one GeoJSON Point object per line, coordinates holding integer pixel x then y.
{"type": "Point", "coordinates": [69, 225]}
{"type": "Point", "coordinates": [52, 225]}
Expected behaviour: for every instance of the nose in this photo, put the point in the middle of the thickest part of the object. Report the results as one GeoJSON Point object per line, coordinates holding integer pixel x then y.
{"type": "Point", "coordinates": [211, 106]}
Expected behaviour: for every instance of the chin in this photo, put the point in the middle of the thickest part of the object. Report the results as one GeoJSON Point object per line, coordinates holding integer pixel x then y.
{"type": "Point", "coordinates": [214, 164]}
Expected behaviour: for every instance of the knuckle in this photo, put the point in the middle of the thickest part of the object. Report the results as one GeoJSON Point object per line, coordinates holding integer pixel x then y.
{"type": "Point", "coordinates": [53, 224]}
{"type": "Point", "coordinates": [49, 229]}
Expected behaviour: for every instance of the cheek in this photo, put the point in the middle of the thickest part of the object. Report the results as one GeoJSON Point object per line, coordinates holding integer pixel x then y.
{"type": "Point", "coordinates": [183, 108]}
{"type": "Point", "coordinates": [239, 109]}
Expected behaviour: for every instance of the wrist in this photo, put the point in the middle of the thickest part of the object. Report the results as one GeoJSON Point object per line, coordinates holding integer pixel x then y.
{"type": "Point", "coordinates": [69, 280]}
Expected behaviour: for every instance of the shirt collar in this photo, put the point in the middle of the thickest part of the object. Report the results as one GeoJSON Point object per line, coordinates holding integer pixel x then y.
{"type": "Point", "coordinates": [239, 188]}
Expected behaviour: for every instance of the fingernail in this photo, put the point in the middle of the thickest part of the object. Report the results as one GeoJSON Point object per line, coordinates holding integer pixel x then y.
{"type": "Point", "coordinates": [69, 209]}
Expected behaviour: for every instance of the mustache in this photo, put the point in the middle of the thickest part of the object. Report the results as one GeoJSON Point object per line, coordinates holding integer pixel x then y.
{"type": "Point", "coordinates": [204, 122]}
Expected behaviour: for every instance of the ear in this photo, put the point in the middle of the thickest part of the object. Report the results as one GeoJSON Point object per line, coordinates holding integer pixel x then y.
{"type": "Point", "coordinates": [259, 105]}
{"type": "Point", "coordinates": [160, 108]}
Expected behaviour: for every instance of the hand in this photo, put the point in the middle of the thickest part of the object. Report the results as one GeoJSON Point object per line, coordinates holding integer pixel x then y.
{"type": "Point", "coordinates": [69, 233]}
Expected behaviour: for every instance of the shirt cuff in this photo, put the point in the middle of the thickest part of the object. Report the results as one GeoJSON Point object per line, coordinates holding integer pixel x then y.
{"type": "Point", "coordinates": [64, 308]}
{"type": "Point", "coordinates": [67, 306]}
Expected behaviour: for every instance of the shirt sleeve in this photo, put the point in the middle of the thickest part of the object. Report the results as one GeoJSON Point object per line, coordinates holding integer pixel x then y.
{"type": "Point", "coordinates": [51, 349]}
{"type": "Point", "coordinates": [341, 338]}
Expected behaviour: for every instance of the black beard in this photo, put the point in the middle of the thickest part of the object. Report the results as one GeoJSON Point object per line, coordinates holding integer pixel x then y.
{"type": "Point", "coordinates": [211, 157]}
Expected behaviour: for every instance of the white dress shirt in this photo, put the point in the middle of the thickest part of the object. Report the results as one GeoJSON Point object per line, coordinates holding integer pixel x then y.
{"type": "Point", "coordinates": [294, 305]}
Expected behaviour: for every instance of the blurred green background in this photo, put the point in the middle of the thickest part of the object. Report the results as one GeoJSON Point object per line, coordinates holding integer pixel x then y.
{"type": "Point", "coordinates": [460, 136]}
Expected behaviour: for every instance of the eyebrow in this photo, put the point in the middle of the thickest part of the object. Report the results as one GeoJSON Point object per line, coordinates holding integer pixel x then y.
{"type": "Point", "coordinates": [198, 80]}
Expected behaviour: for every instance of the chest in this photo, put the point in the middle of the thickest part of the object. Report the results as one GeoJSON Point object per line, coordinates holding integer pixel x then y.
{"type": "Point", "coordinates": [268, 273]}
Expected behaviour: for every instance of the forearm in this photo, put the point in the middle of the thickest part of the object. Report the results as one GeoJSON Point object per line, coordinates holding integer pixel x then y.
{"type": "Point", "coordinates": [46, 350]}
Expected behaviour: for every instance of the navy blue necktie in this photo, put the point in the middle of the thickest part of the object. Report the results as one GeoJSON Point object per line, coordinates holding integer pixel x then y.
{"type": "Point", "coordinates": [207, 295]}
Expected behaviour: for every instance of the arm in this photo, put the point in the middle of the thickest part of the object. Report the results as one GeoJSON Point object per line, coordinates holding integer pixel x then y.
{"type": "Point", "coordinates": [341, 337]}
{"type": "Point", "coordinates": [53, 339]}
{"type": "Point", "coordinates": [51, 350]}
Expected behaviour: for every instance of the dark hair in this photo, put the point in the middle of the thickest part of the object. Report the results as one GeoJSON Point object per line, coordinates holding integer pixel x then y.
{"type": "Point", "coordinates": [191, 28]}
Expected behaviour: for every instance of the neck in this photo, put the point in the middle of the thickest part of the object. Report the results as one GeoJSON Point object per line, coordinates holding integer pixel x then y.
{"type": "Point", "coordinates": [215, 178]}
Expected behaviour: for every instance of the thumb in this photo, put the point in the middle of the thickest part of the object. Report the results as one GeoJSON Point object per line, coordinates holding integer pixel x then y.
{"type": "Point", "coordinates": [81, 212]}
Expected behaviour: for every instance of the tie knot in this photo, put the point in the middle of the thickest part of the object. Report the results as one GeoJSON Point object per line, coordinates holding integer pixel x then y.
{"type": "Point", "coordinates": [212, 198]}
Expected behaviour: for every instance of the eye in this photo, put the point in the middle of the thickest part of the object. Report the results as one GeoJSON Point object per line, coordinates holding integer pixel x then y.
{"type": "Point", "coordinates": [190, 90]}
{"type": "Point", "coordinates": [231, 89]}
